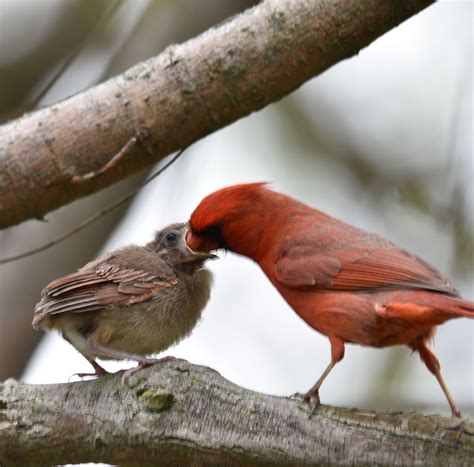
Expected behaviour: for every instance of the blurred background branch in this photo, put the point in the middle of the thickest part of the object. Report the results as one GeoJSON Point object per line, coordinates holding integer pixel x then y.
{"type": "Point", "coordinates": [180, 96]}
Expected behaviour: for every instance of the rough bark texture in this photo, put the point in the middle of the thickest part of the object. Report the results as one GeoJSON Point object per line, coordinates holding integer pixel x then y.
{"type": "Point", "coordinates": [181, 414]}
{"type": "Point", "coordinates": [181, 95]}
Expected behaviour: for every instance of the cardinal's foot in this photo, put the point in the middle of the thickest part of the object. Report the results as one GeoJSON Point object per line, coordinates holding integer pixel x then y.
{"type": "Point", "coordinates": [296, 396]}
{"type": "Point", "coordinates": [455, 412]}
{"type": "Point", "coordinates": [312, 398]}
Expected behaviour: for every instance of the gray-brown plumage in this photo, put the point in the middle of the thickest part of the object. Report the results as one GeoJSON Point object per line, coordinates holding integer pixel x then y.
{"type": "Point", "coordinates": [129, 303]}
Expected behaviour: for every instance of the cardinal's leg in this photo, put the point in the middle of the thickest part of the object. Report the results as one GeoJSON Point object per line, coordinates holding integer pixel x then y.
{"type": "Point", "coordinates": [106, 352]}
{"type": "Point", "coordinates": [337, 354]}
{"type": "Point", "coordinates": [433, 365]}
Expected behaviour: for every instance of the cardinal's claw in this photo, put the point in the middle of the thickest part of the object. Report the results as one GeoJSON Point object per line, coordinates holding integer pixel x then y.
{"type": "Point", "coordinates": [312, 398]}
{"type": "Point", "coordinates": [314, 403]}
{"type": "Point", "coordinates": [296, 396]}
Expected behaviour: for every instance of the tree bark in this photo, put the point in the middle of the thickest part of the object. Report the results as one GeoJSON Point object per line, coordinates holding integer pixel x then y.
{"type": "Point", "coordinates": [181, 414]}
{"type": "Point", "coordinates": [178, 97]}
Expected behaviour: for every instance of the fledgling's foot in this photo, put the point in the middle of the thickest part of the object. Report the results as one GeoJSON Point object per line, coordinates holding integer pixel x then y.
{"type": "Point", "coordinates": [127, 374]}
{"type": "Point", "coordinates": [89, 375]}
{"type": "Point", "coordinates": [99, 371]}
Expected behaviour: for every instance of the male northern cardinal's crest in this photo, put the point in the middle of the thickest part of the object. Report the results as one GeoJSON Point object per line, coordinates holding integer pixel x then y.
{"type": "Point", "coordinates": [351, 285]}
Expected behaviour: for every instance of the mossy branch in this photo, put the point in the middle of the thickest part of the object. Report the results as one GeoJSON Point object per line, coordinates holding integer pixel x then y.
{"type": "Point", "coordinates": [181, 414]}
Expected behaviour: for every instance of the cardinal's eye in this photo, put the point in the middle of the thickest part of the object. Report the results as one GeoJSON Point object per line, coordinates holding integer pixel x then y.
{"type": "Point", "coordinates": [170, 239]}
{"type": "Point", "coordinates": [214, 234]}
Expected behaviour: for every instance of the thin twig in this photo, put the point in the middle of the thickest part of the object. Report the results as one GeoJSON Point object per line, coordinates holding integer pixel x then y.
{"type": "Point", "coordinates": [93, 218]}
{"type": "Point", "coordinates": [108, 15]}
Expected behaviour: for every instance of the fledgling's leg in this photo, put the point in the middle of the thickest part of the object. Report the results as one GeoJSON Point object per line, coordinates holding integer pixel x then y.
{"type": "Point", "coordinates": [107, 352]}
{"type": "Point", "coordinates": [99, 371]}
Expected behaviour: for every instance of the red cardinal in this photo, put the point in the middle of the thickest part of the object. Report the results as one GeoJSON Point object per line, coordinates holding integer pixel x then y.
{"type": "Point", "coordinates": [351, 285]}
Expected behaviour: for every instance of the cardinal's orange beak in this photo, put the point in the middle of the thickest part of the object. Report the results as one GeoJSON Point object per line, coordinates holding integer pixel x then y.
{"type": "Point", "coordinates": [197, 248]}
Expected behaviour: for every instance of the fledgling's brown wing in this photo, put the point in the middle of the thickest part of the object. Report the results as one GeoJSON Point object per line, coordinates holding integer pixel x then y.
{"type": "Point", "coordinates": [107, 283]}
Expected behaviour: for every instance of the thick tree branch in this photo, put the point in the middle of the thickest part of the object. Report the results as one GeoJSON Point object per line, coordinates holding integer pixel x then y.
{"type": "Point", "coordinates": [180, 96]}
{"type": "Point", "coordinates": [181, 414]}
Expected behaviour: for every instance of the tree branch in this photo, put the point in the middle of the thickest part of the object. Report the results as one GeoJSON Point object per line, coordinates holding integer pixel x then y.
{"type": "Point", "coordinates": [180, 96]}
{"type": "Point", "coordinates": [180, 414]}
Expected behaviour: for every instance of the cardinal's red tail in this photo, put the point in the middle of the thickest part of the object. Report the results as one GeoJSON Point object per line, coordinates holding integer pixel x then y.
{"type": "Point", "coordinates": [428, 308]}
{"type": "Point", "coordinates": [457, 306]}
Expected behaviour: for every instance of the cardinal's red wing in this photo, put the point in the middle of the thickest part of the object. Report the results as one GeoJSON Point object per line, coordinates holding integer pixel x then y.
{"type": "Point", "coordinates": [107, 284]}
{"type": "Point", "coordinates": [356, 269]}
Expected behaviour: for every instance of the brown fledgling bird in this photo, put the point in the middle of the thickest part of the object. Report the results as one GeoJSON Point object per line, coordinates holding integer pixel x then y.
{"type": "Point", "coordinates": [130, 303]}
{"type": "Point", "coordinates": [353, 286]}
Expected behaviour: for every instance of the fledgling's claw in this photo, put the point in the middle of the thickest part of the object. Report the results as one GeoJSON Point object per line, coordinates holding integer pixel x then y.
{"type": "Point", "coordinates": [127, 374]}
{"type": "Point", "coordinates": [99, 371]}
{"type": "Point", "coordinates": [86, 375]}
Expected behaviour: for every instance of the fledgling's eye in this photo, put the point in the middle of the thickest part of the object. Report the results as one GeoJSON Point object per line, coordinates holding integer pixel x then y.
{"type": "Point", "coordinates": [170, 239]}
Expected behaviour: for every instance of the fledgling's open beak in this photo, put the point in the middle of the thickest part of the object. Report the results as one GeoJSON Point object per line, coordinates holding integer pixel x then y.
{"type": "Point", "coordinates": [198, 256]}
